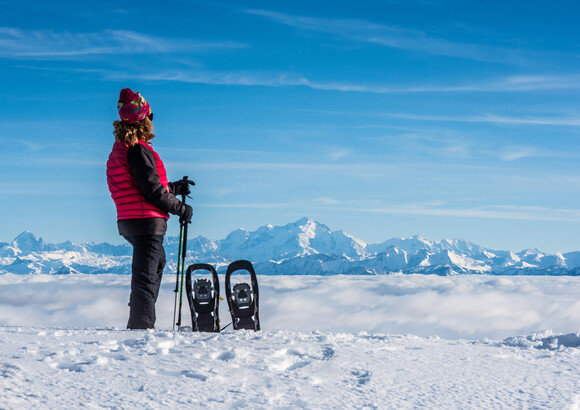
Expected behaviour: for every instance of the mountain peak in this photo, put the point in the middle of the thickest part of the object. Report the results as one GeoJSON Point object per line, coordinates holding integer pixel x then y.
{"type": "Point", "coordinates": [302, 221]}
{"type": "Point", "coordinates": [530, 251]}
{"type": "Point", "coordinates": [239, 235]}
{"type": "Point", "coordinates": [308, 225]}
{"type": "Point", "coordinates": [24, 235]}
{"type": "Point", "coordinates": [28, 242]}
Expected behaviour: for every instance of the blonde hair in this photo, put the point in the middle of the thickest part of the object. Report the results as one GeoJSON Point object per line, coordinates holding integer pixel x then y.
{"type": "Point", "coordinates": [131, 132]}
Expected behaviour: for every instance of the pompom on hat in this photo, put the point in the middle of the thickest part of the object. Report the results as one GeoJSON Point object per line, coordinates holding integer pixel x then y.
{"type": "Point", "coordinates": [132, 106]}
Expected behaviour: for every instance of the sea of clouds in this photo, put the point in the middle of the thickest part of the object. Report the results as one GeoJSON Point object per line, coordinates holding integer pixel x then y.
{"type": "Point", "coordinates": [466, 306]}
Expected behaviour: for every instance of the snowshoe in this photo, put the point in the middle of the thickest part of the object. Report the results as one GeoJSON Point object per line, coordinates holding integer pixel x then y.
{"type": "Point", "coordinates": [243, 297]}
{"type": "Point", "coordinates": [203, 297]}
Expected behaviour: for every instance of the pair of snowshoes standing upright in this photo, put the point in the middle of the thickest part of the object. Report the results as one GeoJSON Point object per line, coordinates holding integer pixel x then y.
{"type": "Point", "coordinates": [203, 295]}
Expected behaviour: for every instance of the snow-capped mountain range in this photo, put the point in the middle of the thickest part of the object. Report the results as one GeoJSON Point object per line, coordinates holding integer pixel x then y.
{"type": "Point", "coordinates": [305, 247]}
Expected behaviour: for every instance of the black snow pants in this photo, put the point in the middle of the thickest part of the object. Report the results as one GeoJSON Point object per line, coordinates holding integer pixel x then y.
{"type": "Point", "coordinates": [146, 270]}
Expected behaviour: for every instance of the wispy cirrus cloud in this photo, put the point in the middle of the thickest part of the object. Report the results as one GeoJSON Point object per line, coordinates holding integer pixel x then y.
{"type": "Point", "coordinates": [513, 212]}
{"type": "Point", "coordinates": [488, 118]}
{"type": "Point", "coordinates": [395, 37]}
{"type": "Point", "coordinates": [327, 201]}
{"type": "Point", "coordinates": [516, 83]}
{"type": "Point", "coordinates": [416, 132]}
{"type": "Point", "coordinates": [197, 75]}
{"type": "Point", "coordinates": [44, 44]}
{"type": "Point", "coordinates": [537, 82]}
{"type": "Point", "coordinates": [494, 212]}
{"type": "Point", "coordinates": [243, 78]}
{"type": "Point", "coordinates": [29, 145]}
{"type": "Point", "coordinates": [515, 153]}
{"type": "Point", "coordinates": [339, 154]}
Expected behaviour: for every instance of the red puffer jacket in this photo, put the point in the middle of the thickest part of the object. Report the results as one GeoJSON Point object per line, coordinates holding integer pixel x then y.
{"type": "Point", "coordinates": [127, 195]}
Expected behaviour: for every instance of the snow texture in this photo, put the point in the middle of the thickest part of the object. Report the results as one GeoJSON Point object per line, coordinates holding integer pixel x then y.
{"type": "Point", "coordinates": [305, 247]}
{"type": "Point", "coordinates": [396, 341]}
{"type": "Point", "coordinates": [73, 368]}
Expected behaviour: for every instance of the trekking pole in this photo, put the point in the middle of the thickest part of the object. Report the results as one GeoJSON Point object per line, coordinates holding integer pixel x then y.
{"type": "Point", "coordinates": [177, 276]}
{"type": "Point", "coordinates": [181, 253]}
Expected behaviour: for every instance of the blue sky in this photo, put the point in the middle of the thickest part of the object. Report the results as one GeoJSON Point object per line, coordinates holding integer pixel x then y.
{"type": "Point", "coordinates": [448, 119]}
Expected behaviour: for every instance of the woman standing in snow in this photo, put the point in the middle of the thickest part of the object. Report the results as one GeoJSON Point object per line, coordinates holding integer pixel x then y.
{"type": "Point", "coordinates": [144, 199]}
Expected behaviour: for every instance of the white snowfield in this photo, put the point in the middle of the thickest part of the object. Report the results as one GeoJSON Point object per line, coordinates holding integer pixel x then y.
{"type": "Point", "coordinates": [396, 341]}
{"type": "Point", "coordinates": [73, 368]}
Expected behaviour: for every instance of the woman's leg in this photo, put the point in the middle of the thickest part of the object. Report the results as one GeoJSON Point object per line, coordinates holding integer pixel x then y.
{"type": "Point", "coordinates": [160, 267]}
{"type": "Point", "coordinates": [146, 270]}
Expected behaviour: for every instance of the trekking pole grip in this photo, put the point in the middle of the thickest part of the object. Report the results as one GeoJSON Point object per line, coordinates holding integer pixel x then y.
{"type": "Point", "coordinates": [183, 196]}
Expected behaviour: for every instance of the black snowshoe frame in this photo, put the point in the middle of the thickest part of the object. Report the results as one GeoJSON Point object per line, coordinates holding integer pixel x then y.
{"type": "Point", "coordinates": [243, 298]}
{"type": "Point", "coordinates": [203, 297]}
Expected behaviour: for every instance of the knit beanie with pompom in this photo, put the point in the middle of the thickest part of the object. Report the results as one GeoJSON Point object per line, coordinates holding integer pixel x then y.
{"type": "Point", "coordinates": [132, 106]}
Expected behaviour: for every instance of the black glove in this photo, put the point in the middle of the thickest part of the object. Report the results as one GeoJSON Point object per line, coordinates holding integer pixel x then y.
{"type": "Point", "coordinates": [187, 214]}
{"type": "Point", "coordinates": [181, 187]}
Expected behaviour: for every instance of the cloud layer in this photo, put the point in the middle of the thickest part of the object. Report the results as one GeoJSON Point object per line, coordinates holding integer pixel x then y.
{"type": "Point", "coordinates": [471, 307]}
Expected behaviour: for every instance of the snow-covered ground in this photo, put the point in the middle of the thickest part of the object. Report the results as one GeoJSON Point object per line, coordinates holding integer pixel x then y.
{"type": "Point", "coordinates": [397, 341]}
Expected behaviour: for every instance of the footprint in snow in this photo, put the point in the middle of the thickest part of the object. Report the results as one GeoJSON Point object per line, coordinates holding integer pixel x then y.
{"type": "Point", "coordinates": [362, 377]}
{"type": "Point", "coordinates": [190, 374]}
{"type": "Point", "coordinates": [224, 356]}
{"type": "Point", "coordinates": [72, 367]}
{"type": "Point", "coordinates": [327, 353]}
{"type": "Point", "coordinates": [9, 371]}
{"type": "Point", "coordinates": [193, 375]}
